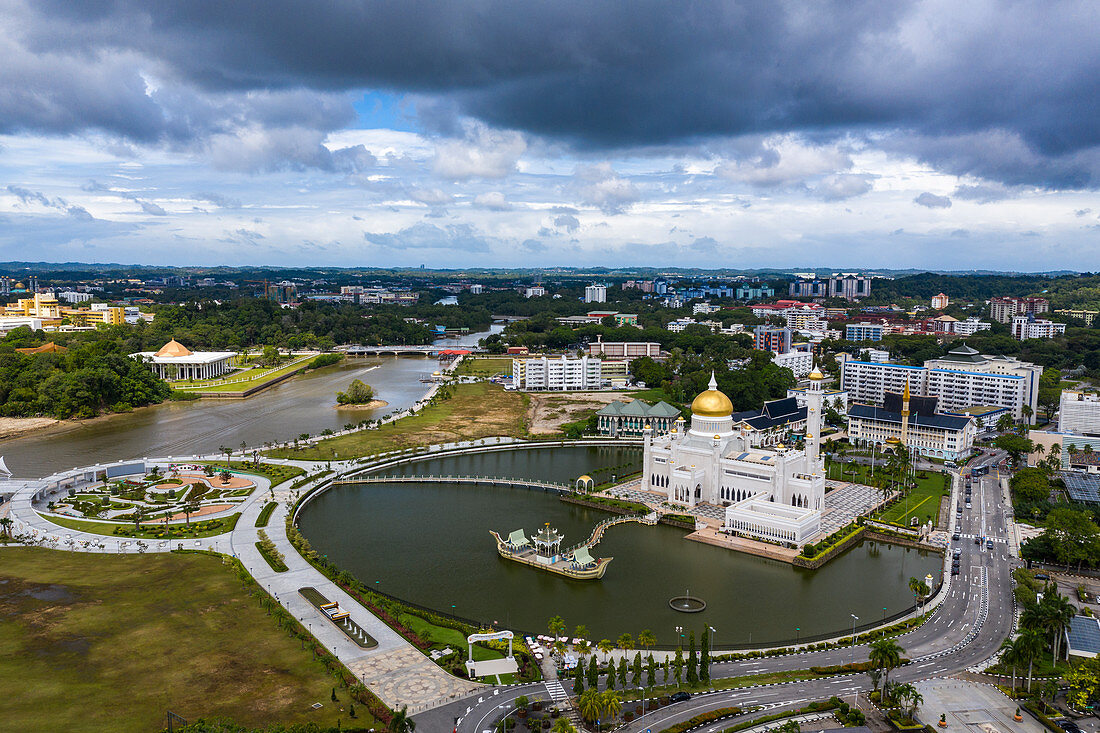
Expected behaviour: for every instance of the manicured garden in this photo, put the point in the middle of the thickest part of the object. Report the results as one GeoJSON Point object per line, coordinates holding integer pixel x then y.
{"type": "Point", "coordinates": [151, 530]}
{"type": "Point", "coordinates": [111, 642]}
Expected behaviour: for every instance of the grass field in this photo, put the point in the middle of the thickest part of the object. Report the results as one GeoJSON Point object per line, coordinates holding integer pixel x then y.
{"type": "Point", "coordinates": [923, 502]}
{"type": "Point", "coordinates": [106, 642]}
{"type": "Point", "coordinates": [484, 366]}
{"type": "Point", "coordinates": [238, 381]}
{"type": "Point", "coordinates": [150, 530]}
{"type": "Point", "coordinates": [475, 411]}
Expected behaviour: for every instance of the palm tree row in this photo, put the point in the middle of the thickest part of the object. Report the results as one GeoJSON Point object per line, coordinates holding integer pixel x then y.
{"type": "Point", "coordinates": [1050, 616]}
{"type": "Point", "coordinates": [594, 705]}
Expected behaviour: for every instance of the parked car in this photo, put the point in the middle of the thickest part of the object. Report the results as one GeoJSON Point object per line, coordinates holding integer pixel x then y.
{"type": "Point", "coordinates": [1042, 576]}
{"type": "Point", "coordinates": [680, 696]}
{"type": "Point", "coordinates": [1068, 726]}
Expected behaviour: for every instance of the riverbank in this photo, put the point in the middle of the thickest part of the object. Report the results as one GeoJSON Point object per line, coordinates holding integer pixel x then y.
{"type": "Point", "coordinates": [12, 427]}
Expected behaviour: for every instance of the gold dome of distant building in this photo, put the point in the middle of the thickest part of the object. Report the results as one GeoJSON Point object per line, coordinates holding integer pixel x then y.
{"type": "Point", "coordinates": [712, 403]}
{"type": "Point", "coordinates": [816, 374]}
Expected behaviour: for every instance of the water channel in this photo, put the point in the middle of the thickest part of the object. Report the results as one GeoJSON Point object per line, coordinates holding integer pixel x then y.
{"type": "Point", "coordinates": [430, 544]}
{"type": "Point", "coordinates": [302, 404]}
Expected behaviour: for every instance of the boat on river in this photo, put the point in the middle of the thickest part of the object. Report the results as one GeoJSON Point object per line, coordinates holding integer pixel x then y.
{"type": "Point", "coordinates": [543, 551]}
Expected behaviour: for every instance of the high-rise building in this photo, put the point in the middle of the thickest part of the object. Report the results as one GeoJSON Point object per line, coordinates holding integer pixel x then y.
{"type": "Point", "coordinates": [809, 288]}
{"type": "Point", "coordinates": [863, 331]}
{"type": "Point", "coordinates": [1079, 413]}
{"type": "Point", "coordinates": [595, 294]}
{"type": "Point", "coordinates": [773, 339]}
{"type": "Point", "coordinates": [849, 286]}
{"type": "Point", "coordinates": [557, 373]}
{"type": "Point", "coordinates": [1003, 309]}
{"type": "Point", "coordinates": [940, 301]}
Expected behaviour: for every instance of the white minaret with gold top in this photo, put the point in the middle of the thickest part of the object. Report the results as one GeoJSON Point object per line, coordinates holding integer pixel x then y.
{"type": "Point", "coordinates": [815, 402]}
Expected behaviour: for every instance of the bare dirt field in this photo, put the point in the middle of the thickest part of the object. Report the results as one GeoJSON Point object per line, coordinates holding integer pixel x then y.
{"type": "Point", "coordinates": [548, 411]}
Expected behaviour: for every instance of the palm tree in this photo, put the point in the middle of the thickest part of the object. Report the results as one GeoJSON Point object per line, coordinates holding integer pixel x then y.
{"type": "Point", "coordinates": [919, 588]}
{"type": "Point", "coordinates": [563, 726]}
{"type": "Point", "coordinates": [885, 654]}
{"type": "Point", "coordinates": [1059, 612]}
{"type": "Point", "coordinates": [581, 632]}
{"type": "Point", "coordinates": [611, 703]}
{"type": "Point", "coordinates": [1050, 690]}
{"type": "Point", "coordinates": [1027, 412]}
{"type": "Point", "coordinates": [6, 523]}
{"type": "Point", "coordinates": [1012, 655]}
{"type": "Point", "coordinates": [401, 722]}
{"type": "Point", "coordinates": [1031, 643]}
{"type": "Point", "coordinates": [626, 641]}
{"type": "Point", "coordinates": [915, 699]}
{"type": "Point", "coordinates": [556, 626]}
{"type": "Point", "coordinates": [605, 646]}
{"type": "Point", "coordinates": [646, 639]}
{"type": "Point", "coordinates": [1004, 423]}
{"type": "Point", "coordinates": [590, 704]}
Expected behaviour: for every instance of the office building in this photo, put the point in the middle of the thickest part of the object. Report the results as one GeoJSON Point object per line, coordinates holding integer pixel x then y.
{"type": "Point", "coordinates": [923, 432]}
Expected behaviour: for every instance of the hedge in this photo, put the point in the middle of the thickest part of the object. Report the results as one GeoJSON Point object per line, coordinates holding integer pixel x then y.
{"type": "Point", "coordinates": [265, 513]}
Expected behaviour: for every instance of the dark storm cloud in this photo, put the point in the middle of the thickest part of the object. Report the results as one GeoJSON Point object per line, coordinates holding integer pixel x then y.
{"type": "Point", "coordinates": [1002, 90]}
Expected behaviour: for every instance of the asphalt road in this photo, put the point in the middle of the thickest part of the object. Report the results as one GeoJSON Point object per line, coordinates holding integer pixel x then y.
{"type": "Point", "coordinates": [966, 630]}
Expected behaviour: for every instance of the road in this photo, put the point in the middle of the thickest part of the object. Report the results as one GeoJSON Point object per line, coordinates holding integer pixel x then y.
{"type": "Point", "coordinates": [966, 630]}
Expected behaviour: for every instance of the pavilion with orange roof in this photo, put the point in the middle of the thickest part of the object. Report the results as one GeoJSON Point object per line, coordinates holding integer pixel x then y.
{"type": "Point", "coordinates": [174, 361]}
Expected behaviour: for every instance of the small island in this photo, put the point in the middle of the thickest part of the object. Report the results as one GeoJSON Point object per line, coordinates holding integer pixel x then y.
{"type": "Point", "coordinates": [360, 396]}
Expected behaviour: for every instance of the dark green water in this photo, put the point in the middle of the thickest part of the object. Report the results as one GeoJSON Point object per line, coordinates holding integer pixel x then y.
{"type": "Point", "coordinates": [430, 544]}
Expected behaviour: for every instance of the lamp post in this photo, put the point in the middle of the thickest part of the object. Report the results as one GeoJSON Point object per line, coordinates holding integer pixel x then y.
{"type": "Point", "coordinates": [884, 620]}
{"type": "Point", "coordinates": [713, 636]}
{"type": "Point", "coordinates": [797, 634]}
{"type": "Point", "coordinates": [680, 637]}
{"type": "Point", "coordinates": [854, 619]}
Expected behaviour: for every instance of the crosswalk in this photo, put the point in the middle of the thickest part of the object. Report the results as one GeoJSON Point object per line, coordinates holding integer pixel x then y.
{"type": "Point", "coordinates": [983, 537]}
{"type": "Point", "coordinates": [556, 691]}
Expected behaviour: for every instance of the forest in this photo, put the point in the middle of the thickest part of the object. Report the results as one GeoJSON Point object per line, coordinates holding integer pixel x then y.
{"type": "Point", "coordinates": [94, 375]}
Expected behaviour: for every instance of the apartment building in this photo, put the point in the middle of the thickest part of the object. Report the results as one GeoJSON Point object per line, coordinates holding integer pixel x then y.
{"type": "Point", "coordinates": [1030, 327]}
{"type": "Point", "coordinates": [624, 349]}
{"type": "Point", "coordinates": [595, 294]}
{"type": "Point", "coordinates": [536, 291]}
{"type": "Point", "coordinates": [849, 286]}
{"type": "Point", "coordinates": [940, 301]}
{"type": "Point", "coordinates": [1085, 315]}
{"type": "Point", "coordinates": [864, 331]}
{"type": "Point", "coordinates": [1079, 413]}
{"type": "Point", "coordinates": [770, 338]}
{"type": "Point", "coordinates": [557, 373]}
{"type": "Point", "coordinates": [800, 362]}
{"type": "Point", "coordinates": [1003, 309]}
{"type": "Point", "coordinates": [754, 291]}
{"type": "Point", "coordinates": [800, 319]}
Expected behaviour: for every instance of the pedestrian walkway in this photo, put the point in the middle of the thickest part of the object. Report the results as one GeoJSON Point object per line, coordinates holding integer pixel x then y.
{"type": "Point", "coordinates": [556, 691]}
{"type": "Point", "coordinates": [395, 670]}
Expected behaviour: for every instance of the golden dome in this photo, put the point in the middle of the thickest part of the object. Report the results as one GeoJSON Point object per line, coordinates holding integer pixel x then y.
{"type": "Point", "coordinates": [816, 374]}
{"type": "Point", "coordinates": [712, 403]}
{"type": "Point", "coordinates": [173, 349]}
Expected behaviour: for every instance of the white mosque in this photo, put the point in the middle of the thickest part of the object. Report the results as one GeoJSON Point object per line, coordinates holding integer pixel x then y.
{"type": "Point", "coordinates": [775, 493]}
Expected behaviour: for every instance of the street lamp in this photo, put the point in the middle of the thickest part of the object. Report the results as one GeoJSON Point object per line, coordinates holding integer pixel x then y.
{"type": "Point", "coordinates": [713, 636]}
{"type": "Point", "coordinates": [884, 620]}
{"type": "Point", "coordinates": [680, 636]}
{"type": "Point", "coordinates": [797, 634]}
{"type": "Point", "coordinates": [854, 619]}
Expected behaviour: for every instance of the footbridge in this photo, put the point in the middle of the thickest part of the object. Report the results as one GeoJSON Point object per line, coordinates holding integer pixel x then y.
{"type": "Point", "coordinates": [599, 529]}
{"type": "Point", "coordinates": [484, 480]}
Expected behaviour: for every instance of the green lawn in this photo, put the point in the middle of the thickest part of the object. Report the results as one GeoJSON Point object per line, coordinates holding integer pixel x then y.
{"type": "Point", "coordinates": [923, 502]}
{"type": "Point", "coordinates": [149, 530]}
{"type": "Point", "coordinates": [474, 411]}
{"type": "Point", "coordinates": [110, 642]}
{"type": "Point", "coordinates": [233, 382]}
{"type": "Point", "coordinates": [484, 366]}
{"type": "Point", "coordinates": [654, 395]}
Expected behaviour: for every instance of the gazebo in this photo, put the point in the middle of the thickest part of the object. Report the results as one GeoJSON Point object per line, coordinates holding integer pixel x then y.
{"type": "Point", "coordinates": [548, 541]}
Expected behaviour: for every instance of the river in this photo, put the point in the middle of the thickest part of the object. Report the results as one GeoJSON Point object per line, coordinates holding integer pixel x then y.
{"type": "Point", "coordinates": [302, 404]}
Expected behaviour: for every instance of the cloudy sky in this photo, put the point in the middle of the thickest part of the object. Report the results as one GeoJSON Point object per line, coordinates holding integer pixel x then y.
{"type": "Point", "coordinates": [738, 134]}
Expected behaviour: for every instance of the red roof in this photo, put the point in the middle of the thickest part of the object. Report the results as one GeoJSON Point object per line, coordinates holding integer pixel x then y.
{"type": "Point", "coordinates": [455, 352]}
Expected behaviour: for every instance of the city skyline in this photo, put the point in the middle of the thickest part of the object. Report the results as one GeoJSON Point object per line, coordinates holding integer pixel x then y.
{"type": "Point", "coordinates": [918, 135]}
